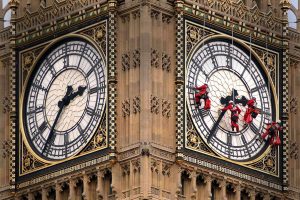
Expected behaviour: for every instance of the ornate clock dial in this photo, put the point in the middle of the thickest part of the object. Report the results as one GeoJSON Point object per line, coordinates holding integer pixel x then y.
{"type": "Point", "coordinates": [64, 100]}
{"type": "Point", "coordinates": [227, 68]}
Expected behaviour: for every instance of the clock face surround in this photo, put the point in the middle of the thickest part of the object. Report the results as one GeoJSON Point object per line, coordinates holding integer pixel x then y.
{"type": "Point", "coordinates": [64, 99]}
{"type": "Point", "coordinates": [228, 68]}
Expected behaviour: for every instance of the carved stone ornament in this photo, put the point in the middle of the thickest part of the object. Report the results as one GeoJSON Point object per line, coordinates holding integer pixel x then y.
{"type": "Point", "coordinates": [5, 105]}
{"type": "Point", "coordinates": [285, 4]}
{"type": "Point", "coordinates": [268, 163]}
{"type": "Point", "coordinates": [154, 58]}
{"type": "Point", "coordinates": [5, 148]}
{"type": "Point", "coordinates": [154, 165]}
{"type": "Point", "coordinates": [194, 141]}
{"type": "Point", "coordinates": [269, 60]}
{"type": "Point", "coordinates": [136, 164]}
{"type": "Point", "coordinates": [154, 102]}
{"type": "Point", "coordinates": [166, 108]}
{"type": "Point", "coordinates": [166, 18]}
{"type": "Point", "coordinates": [136, 105]}
{"type": "Point", "coordinates": [29, 162]}
{"type": "Point", "coordinates": [155, 14]}
{"type": "Point", "coordinates": [27, 60]}
{"type": "Point", "coordinates": [98, 33]}
{"type": "Point", "coordinates": [166, 62]}
{"type": "Point", "coordinates": [294, 150]}
{"type": "Point", "coordinates": [99, 139]}
{"type": "Point", "coordinates": [136, 14]}
{"type": "Point", "coordinates": [136, 58]}
{"type": "Point", "coordinates": [194, 35]}
{"type": "Point", "coordinates": [125, 18]}
{"type": "Point", "coordinates": [166, 169]}
{"type": "Point", "coordinates": [125, 61]}
{"type": "Point", "coordinates": [293, 105]}
{"type": "Point", "coordinates": [126, 108]}
{"type": "Point", "coordinates": [241, 10]}
{"type": "Point", "coordinates": [125, 169]}
{"type": "Point", "coordinates": [226, 5]}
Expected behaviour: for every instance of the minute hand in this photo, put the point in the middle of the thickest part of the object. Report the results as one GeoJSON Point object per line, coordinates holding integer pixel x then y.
{"type": "Point", "coordinates": [52, 128]}
{"type": "Point", "coordinates": [214, 128]}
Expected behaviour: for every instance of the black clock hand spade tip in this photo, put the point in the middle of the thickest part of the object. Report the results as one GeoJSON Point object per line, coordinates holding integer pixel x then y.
{"type": "Point", "coordinates": [81, 90]}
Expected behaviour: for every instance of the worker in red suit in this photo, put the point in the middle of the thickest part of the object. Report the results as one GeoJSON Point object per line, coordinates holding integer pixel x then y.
{"type": "Point", "coordinates": [235, 111]}
{"type": "Point", "coordinates": [251, 111]}
{"type": "Point", "coordinates": [272, 133]}
{"type": "Point", "coordinates": [203, 94]}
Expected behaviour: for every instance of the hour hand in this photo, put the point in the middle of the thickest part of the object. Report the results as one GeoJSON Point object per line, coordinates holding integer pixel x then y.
{"type": "Point", "coordinates": [79, 92]}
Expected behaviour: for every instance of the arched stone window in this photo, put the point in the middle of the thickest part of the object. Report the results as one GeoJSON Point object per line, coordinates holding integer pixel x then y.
{"type": "Point", "coordinates": [7, 18]}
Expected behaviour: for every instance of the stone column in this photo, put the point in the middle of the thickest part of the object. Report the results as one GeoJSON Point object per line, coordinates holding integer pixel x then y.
{"type": "Point", "coordinates": [72, 184]}
{"type": "Point", "coordinates": [252, 195]}
{"type": "Point", "coordinates": [238, 192]}
{"type": "Point", "coordinates": [44, 193]}
{"type": "Point", "coordinates": [58, 190]}
{"type": "Point", "coordinates": [267, 196]}
{"type": "Point", "coordinates": [223, 189]}
{"type": "Point", "coordinates": [100, 184]}
{"type": "Point", "coordinates": [194, 185]}
{"type": "Point", "coordinates": [86, 180]}
{"type": "Point", "coordinates": [30, 196]}
{"type": "Point", "coordinates": [145, 92]}
{"type": "Point", "coordinates": [208, 181]}
{"type": "Point", "coordinates": [17, 198]}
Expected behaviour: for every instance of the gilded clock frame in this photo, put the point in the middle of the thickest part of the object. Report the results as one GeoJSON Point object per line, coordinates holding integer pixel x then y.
{"type": "Point", "coordinates": [104, 115]}
{"type": "Point", "coordinates": [210, 34]}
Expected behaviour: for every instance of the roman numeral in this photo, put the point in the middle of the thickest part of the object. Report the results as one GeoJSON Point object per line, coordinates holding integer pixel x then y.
{"type": "Point", "coordinates": [229, 61]}
{"type": "Point", "coordinates": [91, 111]}
{"type": "Point", "coordinates": [81, 131]}
{"type": "Point", "coordinates": [257, 88]}
{"type": "Point", "coordinates": [42, 127]}
{"type": "Point", "coordinates": [229, 140]}
{"type": "Point", "coordinates": [37, 110]}
{"type": "Point", "coordinates": [52, 70]}
{"type": "Point", "coordinates": [38, 86]}
{"type": "Point", "coordinates": [254, 128]}
{"type": "Point", "coordinates": [66, 61]}
{"type": "Point", "coordinates": [245, 143]}
{"type": "Point", "coordinates": [66, 137]}
{"type": "Point", "coordinates": [96, 89]}
{"type": "Point", "coordinates": [213, 58]}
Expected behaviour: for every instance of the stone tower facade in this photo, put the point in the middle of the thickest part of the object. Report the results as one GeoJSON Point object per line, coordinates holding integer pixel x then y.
{"type": "Point", "coordinates": [146, 145]}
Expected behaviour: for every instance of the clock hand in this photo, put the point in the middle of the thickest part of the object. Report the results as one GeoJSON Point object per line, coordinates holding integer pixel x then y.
{"type": "Point", "coordinates": [224, 101]}
{"type": "Point", "coordinates": [214, 128]}
{"type": "Point", "coordinates": [61, 104]}
{"type": "Point", "coordinates": [79, 92]}
{"type": "Point", "coordinates": [52, 129]}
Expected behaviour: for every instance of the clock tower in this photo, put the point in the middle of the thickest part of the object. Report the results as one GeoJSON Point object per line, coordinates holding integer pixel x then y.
{"type": "Point", "coordinates": [149, 99]}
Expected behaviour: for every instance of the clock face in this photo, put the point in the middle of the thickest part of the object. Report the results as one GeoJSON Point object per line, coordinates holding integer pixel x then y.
{"type": "Point", "coordinates": [228, 70]}
{"type": "Point", "coordinates": [64, 100]}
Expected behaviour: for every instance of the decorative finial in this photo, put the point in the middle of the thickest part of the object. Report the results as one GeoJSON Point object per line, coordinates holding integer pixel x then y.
{"type": "Point", "coordinates": [285, 4]}
{"type": "Point", "coordinates": [13, 3]}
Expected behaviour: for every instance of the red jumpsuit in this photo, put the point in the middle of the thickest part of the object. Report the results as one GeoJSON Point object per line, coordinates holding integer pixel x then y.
{"type": "Point", "coordinates": [235, 111]}
{"type": "Point", "coordinates": [250, 112]}
{"type": "Point", "coordinates": [203, 94]}
{"type": "Point", "coordinates": [272, 130]}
